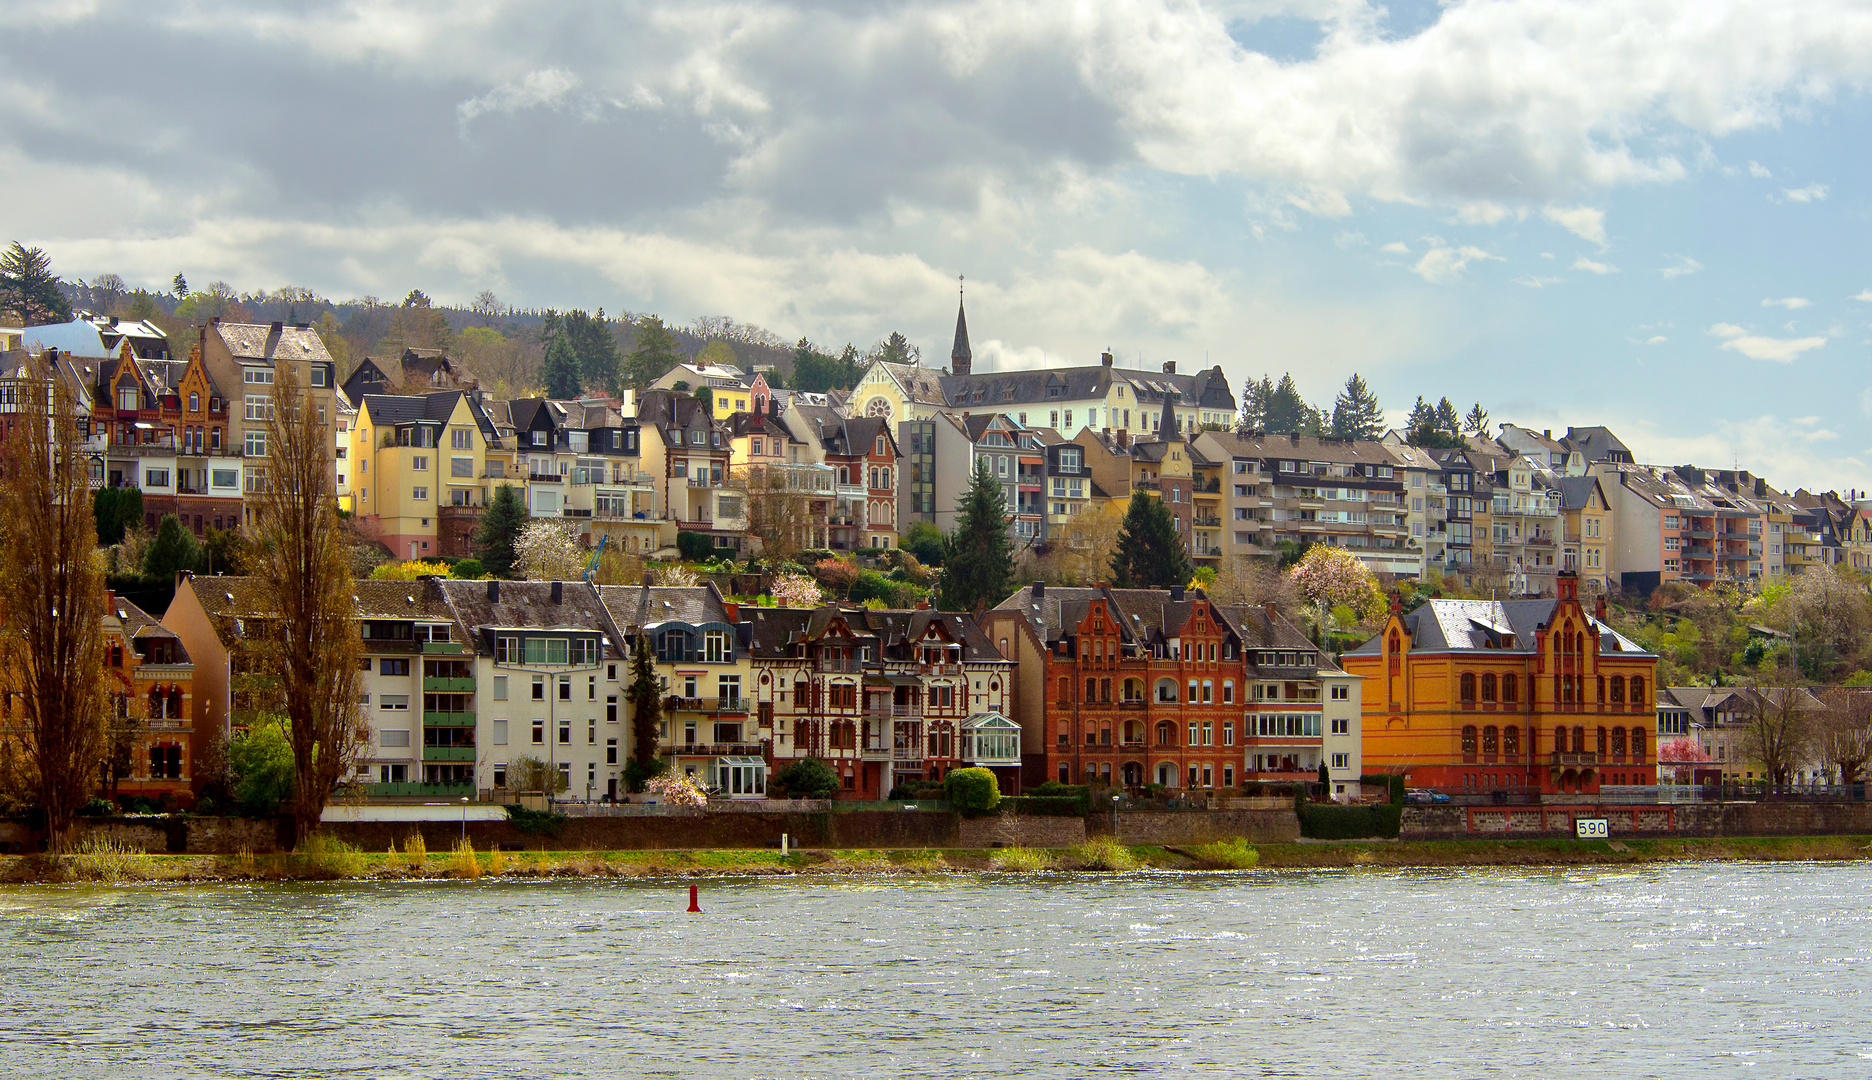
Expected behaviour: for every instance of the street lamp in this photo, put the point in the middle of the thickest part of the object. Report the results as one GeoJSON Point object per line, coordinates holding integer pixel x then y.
{"type": "Point", "coordinates": [464, 818]}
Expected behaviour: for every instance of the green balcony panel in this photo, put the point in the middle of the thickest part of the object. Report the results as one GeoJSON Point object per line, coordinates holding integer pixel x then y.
{"type": "Point", "coordinates": [448, 719]}
{"type": "Point", "coordinates": [448, 753]}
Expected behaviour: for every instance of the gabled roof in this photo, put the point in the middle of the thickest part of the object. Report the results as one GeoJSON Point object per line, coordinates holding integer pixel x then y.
{"type": "Point", "coordinates": [918, 384]}
{"type": "Point", "coordinates": [1463, 625]}
{"type": "Point", "coordinates": [1596, 444]}
{"type": "Point", "coordinates": [1576, 491]}
{"type": "Point", "coordinates": [528, 605]}
{"type": "Point", "coordinates": [635, 608]}
{"type": "Point", "coordinates": [409, 409]}
{"type": "Point", "coordinates": [257, 341]}
{"type": "Point", "coordinates": [413, 600]}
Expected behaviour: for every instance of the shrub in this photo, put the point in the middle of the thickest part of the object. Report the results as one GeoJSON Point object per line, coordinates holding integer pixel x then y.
{"type": "Point", "coordinates": [416, 852]}
{"type": "Point", "coordinates": [972, 791]}
{"type": "Point", "coordinates": [467, 569]}
{"type": "Point", "coordinates": [694, 546]}
{"type": "Point", "coordinates": [535, 822]}
{"type": "Point", "coordinates": [1020, 860]}
{"type": "Point", "coordinates": [95, 806]}
{"type": "Point", "coordinates": [463, 863]}
{"type": "Point", "coordinates": [104, 858]}
{"type": "Point", "coordinates": [1054, 787]}
{"type": "Point", "coordinates": [1327, 821]}
{"type": "Point", "coordinates": [497, 861]}
{"type": "Point", "coordinates": [1235, 854]}
{"type": "Point", "coordinates": [808, 778]}
{"type": "Point", "coordinates": [673, 790]}
{"type": "Point", "coordinates": [262, 764]}
{"type": "Point", "coordinates": [324, 855]}
{"type": "Point", "coordinates": [1104, 853]}
{"type": "Point", "coordinates": [636, 775]}
{"type": "Point", "coordinates": [1047, 805]}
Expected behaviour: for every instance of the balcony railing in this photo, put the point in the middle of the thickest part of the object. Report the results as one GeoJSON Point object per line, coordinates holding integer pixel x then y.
{"type": "Point", "coordinates": [448, 719]}
{"type": "Point", "coordinates": [709, 704]}
{"type": "Point", "coordinates": [1572, 759]}
{"type": "Point", "coordinates": [740, 749]}
{"type": "Point", "coordinates": [446, 685]}
{"type": "Point", "coordinates": [841, 667]}
{"type": "Point", "coordinates": [448, 753]}
{"type": "Point", "coordinates": [451, 792]}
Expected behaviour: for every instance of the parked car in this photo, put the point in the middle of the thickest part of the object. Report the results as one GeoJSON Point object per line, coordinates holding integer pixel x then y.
{"type": "Point", "coordinates": [1424, 796]}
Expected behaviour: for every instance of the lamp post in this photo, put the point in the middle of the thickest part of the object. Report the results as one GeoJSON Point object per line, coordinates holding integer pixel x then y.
{"type": "Point", "coordinates": [464, 818]}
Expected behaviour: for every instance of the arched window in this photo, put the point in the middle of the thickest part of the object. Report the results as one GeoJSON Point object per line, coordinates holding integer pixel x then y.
{"type": "Point", "coordinates": [1637, 690]}
{"type": "Point", "coordinates": [1091, 693]}
{"type": "Point", "coordinates": [1468, 688]}
{"type": "Point", "coordinates": [156, 704]}
{"type": "Point", "coordinates": [1618, 744]}
{"type": "Point", "coordinates": [1488, 687]}
{"type": "Point", "coordinates": [1618, 690]}
{"type": "Point", "coordinates": [1601, 698]}
{"type": "Point", "coordinates": [1510, 689]}
{"type": "Point", "coordinates": [1511, 743]}
{"type": "Point", "coordinates": [1468, 743]}
{"type": "Point", "coordinates": [1166, 734]}
{"type": "Point", "coordinates": [1559, 740]}
{"type": "Point", "coordinates": [1637, 745]}
{"type": "Point", "coordinates": [1166, 690]}
{"type": "Point", "coordinates": [1579, 740]}
{"type": "Point", "coordinates": [1104, 690]}
{"type": "Point", "coordinates": [1490, 744]}
{"type": "Point", "coordinates": [1133, 690]}
{"type": "Point", "coordinates": [1065, 689]}
{"type": "Point", "coordinates": [1599, 742]}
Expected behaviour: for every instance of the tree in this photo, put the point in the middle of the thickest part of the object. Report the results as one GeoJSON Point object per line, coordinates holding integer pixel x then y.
{"type": "Point", "coordinates": [1679, 754]}
{"type": "Point", "coordinates": [645, 697]}
{"type": "Point", "coordinates": [178, 286]}
{"type": "Point", "coordinates": [548, 550]}
{"type": "Point", "coordinates": [123, 733]}
{"type": "Point", "coordinates": [673, 790]}
{"type": "Point", "coordinates": [796, 591]}
{"type": "Point", "coordinates": [779, 502]}
{"type": "Point", "coordinates": [1356, 413]}
{"type": "Point", "coordinates": [978, 561]}
{"type": "Point", "coordinates": [52, 590]}
{"type": "Point", "coordinates": [925, 541]}
{"type": "Point", "coordinates": [173, 549]}
{"type": "Point", "coordinates": [1425, 427]}
{"type": "Point", "coordinates": [1476, 423]}
{"type": "Point", "coordinates": [1828, 615]}
{"type": "Point", "coordinates": [499, 530]}
{"type": "Point", "coordinates": [718, 353]}
{"type": "Point", "coordinates": [110, 285]}
{"type": "Point", "coordinates": [1287, 413]}
{"type": "Point", "coordinates": [305, 574]}
{"type": "Point", "coordinates": [972, 790]}
{"type": "Point", "coordinates": [142, 305]}
{"type": "Point", "coordinates": [115, 511]}
{"type": "Point", "coordinates": [1447, 421]}
{"type": "Point", "coordinates": [654, 355]}
{"type": "Point", "coordinates": [1331, 577]}
{"type": "Point", "coordinates": [486, 306]}
{"type": "Point", "coordinates": [226, 551]}
{"type": "Point", "coordinates": [561, 372]}
{"type": "Point", "coordinates": [28, 286]}
{"type": "Point", "coordinates": [532, 774]}
{"type": "Point", "coordinates": [1844, 736]}
{"type": "Point", "coordinates": [808, 778]}
{"type": "Point", "coordinates": [1150, 552]}
{"type": "Point", "coordinates": [895, 349]}
{"type": "Point", "coordinates": [260, 764]}
{"type": "Point", "coordinates": [1255, 397]}
{"type": "Point", "coordinates": [594, 347]}
{"type": "Point", "coordinates": [1781, 722]}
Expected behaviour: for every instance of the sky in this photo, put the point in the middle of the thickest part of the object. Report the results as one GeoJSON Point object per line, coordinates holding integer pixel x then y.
{"type": "Point", "coordinates": [1643, 214]}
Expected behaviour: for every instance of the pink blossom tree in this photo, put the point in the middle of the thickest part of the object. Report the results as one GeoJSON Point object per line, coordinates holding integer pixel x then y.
{"type": "Point", "coordinates": [1332, 577]}
{"type": "Point", "coordinates": [793, 590]}
{"type": "Point", "coordinates": [671, 789]}
{"type": "Point", "coordinates": [1681, 755]}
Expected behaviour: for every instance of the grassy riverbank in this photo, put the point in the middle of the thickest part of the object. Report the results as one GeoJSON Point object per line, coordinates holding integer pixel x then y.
{"type": "Point", "coordinates": [338, 862]}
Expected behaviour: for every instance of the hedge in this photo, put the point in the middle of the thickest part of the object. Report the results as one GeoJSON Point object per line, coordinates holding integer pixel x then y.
{"type": "Point", "coordinates": [1046, 805]}
{"type": "Point", "coordinates": [1394, 783]}
{"type": "Point", "coordinates": [1330, 821]}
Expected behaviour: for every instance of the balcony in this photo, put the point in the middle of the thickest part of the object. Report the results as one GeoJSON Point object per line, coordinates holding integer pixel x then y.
{"type": "Point", "coordinates": [439, 685]}
{"type": "Point", "coordinates": [1146, 485]}
{"type": "Point", "coordinates": [444, 648]}
{"type": "Point", "coordinates": [448, 753]}
{"type": "Point", "coordinates": [545, 478]}
{"type": "Point", "coordinates": [448, 719]}
{"type": "Point", "coordinates": [1573, 759]}
{"type": "Point", "coordinates": [838, 667]}
{"type": "Point", "coordinates": [1208, 523]}
{"type": "Point", "coordinates": [740, 749]}
{"type": "Point", "coordinates": [708, 704]}
{"type": "Point", "coordinates": [907, 753]}
{"type": "Point", "coordinates": [450, 792]}
{"type": "Point", "coordinates": [901, 712]}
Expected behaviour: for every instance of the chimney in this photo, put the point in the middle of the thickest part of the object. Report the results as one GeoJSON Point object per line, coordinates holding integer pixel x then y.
{"type": "Point", "coordinates": [1599, 608]}
{"type": "Point", "coordinates": [214, 320]}
{"type": "Point", "coordinates": [1273, 612]}
{"type": "Point", "coordinates": [1169, 367]}
{"type": "Point", "coordinates": [733, 609]}
{"type": "Point", "coordinates": [1176, 593]}
{"type": "Point", "coordinates": [493, 589]}
{"type": "Point", "coordinates": [1397, 604]}
{"type": "Point", "coordinates": [649, 579]}
{"type": "Point", "coordinates": [1105, 359]}
{"type": "Point", "coordinates": [558, 591]}
{"type": "Point", "coordinates": [1039, 590]}
{"type": "Point", "coordinates": [276, 326]}
{"type": "Point", "coordinates": [922, 605]}
{"type": "Point", "coordinates": [1547, 433]}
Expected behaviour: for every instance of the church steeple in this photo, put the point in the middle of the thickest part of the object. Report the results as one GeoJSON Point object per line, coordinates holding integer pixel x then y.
{"type": "Point", "coordinates": [1167, 428]}
{"type": "Point", "coordinates": [960, 359]}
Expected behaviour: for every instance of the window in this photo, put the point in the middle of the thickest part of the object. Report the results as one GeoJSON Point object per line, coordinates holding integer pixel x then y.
{"type": "Point", "coordinates": [539, 733]}
{"type": "Point", "coordinates": [1228, 733]}
{"type": "Point", "coordinates": [1510, 689]}
{"type": "Point", "coordinates": [715, 647]}
{"type": "Point", "coordinates": [393, 667]}
{"type": "Point", "coordinates": [565, 733]}
{"type": "Point", "coordinates": [1342, 761]}
{"type": "Point", "coordinates": [393, 737]}
{"type": "Point", "coordinates": [419, 494]}
{"type": "Point", "coordinates": [500, 733]}
{"type": "Point", "coordinates": [1228, 691]}
{"type": "Point", "coordinates": [1344, 693]}
{"type": "Point", "coordinates": [539, 688]}
{"type": "Point", "coordinates": [156, 478]}
{"type": "Point", "coordinates": [1342, 726]}
{"type": "Point", "coordinates": [1469, 743]}
{"type": "Point", "coordinates": [255, 445]}
{"type": "Point", "coordinates": [1468, 688]}
{"type": "Point", "coordinates": [611, 751]}
{"type": "Point", "coordinates": [393, 702]}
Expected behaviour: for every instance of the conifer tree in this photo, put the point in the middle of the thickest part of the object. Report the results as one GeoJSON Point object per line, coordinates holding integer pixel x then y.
{"type": "Point", "coordinates": [1476, 423]}
{"type": "Point", "coordinates": [1356, 414]}
{"type": "Point", "coordinates": [179, 286]}
{"type": "Point", "coordinates": [174, 548]}
{"type": "Point", "coordinates": [978, 562]}
{"type": "Point", "coordinates": [1447, 421]}
{"type": "Point", "coordinates": [1150, 553]}
{"type": "Point", "coordinates": [654, 355]}
{"type": "Point", "coordinates": [499, 530]}
{"type": "Point", "coordinates": [1287, 412]}
{"type": "Point", "coordinates": [646, 701]}
{"type": "Point", "coordinates": [29, 287]}
{"type": "Point", "coordinates": [1254, 403]}
{"type": "Point", "coordinates": [560, 370]}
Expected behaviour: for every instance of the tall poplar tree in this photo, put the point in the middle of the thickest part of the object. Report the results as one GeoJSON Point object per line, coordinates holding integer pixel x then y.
{"type": "Point", "coordinates": [1150, 553]}
{"type": "Point", "coordinates": [52, 590]}
{"type": "Point", "coordinates": [645, 696]}
{"type": "Point", "coordinates": [978, 561]}
{"type": "Point", "coordinates": [304, 568]}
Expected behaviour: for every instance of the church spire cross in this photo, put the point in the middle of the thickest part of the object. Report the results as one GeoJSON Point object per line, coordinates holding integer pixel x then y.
{"type": "Point", "coordinates": [961, 358]}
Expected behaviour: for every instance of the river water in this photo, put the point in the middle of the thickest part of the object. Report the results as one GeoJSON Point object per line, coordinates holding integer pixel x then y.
{"type": "Point", "coordinates": [1681, 970]}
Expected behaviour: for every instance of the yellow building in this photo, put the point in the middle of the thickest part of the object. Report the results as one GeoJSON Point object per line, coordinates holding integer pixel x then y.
{"type": "Point", "coordinates": [1586, 525]}
{"type": "Point", "coordinates": [413, 460]}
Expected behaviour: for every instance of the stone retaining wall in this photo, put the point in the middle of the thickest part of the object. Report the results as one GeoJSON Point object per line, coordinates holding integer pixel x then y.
{"type": "Point", "coordinates": [1676, 819]}
{"type": "Point", "coordinates": [1178, 827]}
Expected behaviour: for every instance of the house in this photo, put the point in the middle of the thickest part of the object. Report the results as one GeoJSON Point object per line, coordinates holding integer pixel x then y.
{"type": "Point", "coordinates": [151, 677]}
{"type": "Point", "coordinates": [416, 689]}
{"type": "Point", "coordinates": [250, 356]}
{"type": "Point", "coordinates": [411, 458]}
{"type": "Point", "coordinates": [1522, 697]}
{"type": "Point", "coordinates": [688, 453]}
{"type": "Point", "coordinates": [1304, 489]}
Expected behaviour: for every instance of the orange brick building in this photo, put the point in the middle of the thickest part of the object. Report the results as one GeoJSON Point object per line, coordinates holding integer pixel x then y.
{"type": "Point", "coordinates": [1519, 696]}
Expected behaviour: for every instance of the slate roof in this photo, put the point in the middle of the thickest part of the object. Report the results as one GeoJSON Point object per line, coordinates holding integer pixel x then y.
{"type": "Point", "coordinates": [1306, 448]}
{"type": "Point", "coordinates": [257, 341]}
{"type": "Point", "coordinates": [777, 630]}
{"type": "Point", "coordinates": [919, 384]}
{"type": "Point", "coordinates": [140, 625]}
{"type": "Point", "coordinates": [633, 608]}
{"type": "Point", "coordinates": [1462, 625]}
{"type": "Point", "coordinates": [527, 604]}
{"type": "Point", "coordinates": [412, 408]}
{"type": "Point", "coordinates": [400, 600]}
{"type": "Point", "coordinates": [1576, 491]}
{"type": "Point", "coordinates": [854, 436]}
{"type": "Point", "coordinates": [1596, 444]}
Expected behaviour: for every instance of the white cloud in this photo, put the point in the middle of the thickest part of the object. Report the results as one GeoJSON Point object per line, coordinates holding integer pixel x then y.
{"type": "Point", "coordinates": [546, 87]}
{"type": "Point", "coordinates": [1809, 194]}
{"type": "Point", "coordinates": [1792, 303]}
{"type": "Point", "coordinates": [1349, 239]}
{"type": "Point", "coordinates": [1767, 445]}
{"type": "Point", "coordinates": [1582, 221]}
{"type": "Point", "coordinates": [1759, 171]}
{"type": "Point", "coordinates": [1397, 247]}
{"type": "Point", "coordinates": [1684, 266]}
{"type": "Point", "coordinates": [1533, 281]}
{"type": "Point", "coordinates": [1444, 263]}
{"type": "Point", "coordinates": [1583, 263]}
{"type": "Point", "coordinates": [1863, 295]}
{"type": "Point", "coordinates": [1758, 347]}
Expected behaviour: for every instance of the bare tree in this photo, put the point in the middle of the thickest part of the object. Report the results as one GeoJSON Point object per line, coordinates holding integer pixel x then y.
{"type": "Point", "coordinates": [52, 591]}
{"type": "Point", "coordinates": [123, 733]}
{"type": "Point", "coordinates": [1844, 740]}
{"type": "Point", "coordinates": [305, 569]}
{"type": "Point", "coordinates": [487, 307]}
{"type": "Point", "coordinates": [779, 504]}
{"type": "Point", "coordinates": [1780, 726]}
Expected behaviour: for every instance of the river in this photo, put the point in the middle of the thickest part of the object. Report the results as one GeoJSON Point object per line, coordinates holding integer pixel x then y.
{"type": "Point", "coordinates": [1674, 970]}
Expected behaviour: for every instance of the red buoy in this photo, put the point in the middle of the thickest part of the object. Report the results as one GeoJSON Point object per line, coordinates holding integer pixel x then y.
{"type": "Point", "coordinates": [693, 906]}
